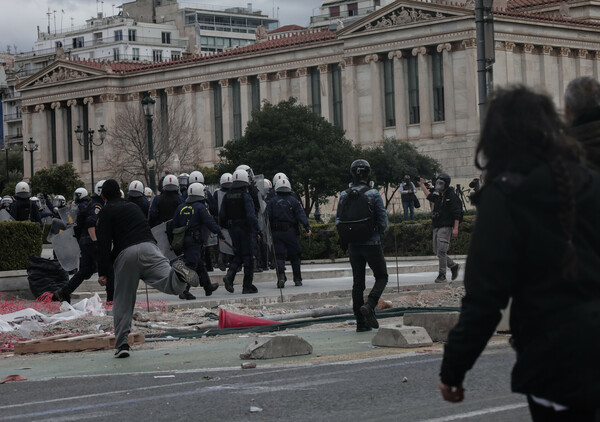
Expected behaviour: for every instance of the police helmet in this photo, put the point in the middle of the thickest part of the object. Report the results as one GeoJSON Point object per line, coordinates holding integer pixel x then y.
{"type": "Point", "coordinates": [35, 200]}
{"type": "Point", "coordinates": [59, 201]}
{"type": "Point", "coordinates": [170, 183]}
{"type": "Point", "coordinates": [267, 184]}
{"type": "Point", "coordinates": [7, 200]}
{"type": "Point", "coordinates": [98, 188]}
{"type": "Point", "coordinates": [136, 189]}
{"type": "Point", "coordinates": [360, 170]}
{"type": "Point", "coordinates": [279, 176]}
{"type": "Point", "coordinates": [148, 193]}
{"type": "Point", "coordinates": [196, 177]}
{"type": "Point", "coordinates": [283, 185]}
{"type": "Point", "coordinates": [184, 179]}
{"type": "Point", "coordinates": [80, 194]}
{"type": "Point", "coordinates": [240, 178]}
{"type": "Point", "coordinates": [226, 180]}
{"type": "Point", "coordinates": [247, 169]}
{"type": "Point", "coordinates": [195, 193]}
{"type": "Point", "coordinates": [22, 190]}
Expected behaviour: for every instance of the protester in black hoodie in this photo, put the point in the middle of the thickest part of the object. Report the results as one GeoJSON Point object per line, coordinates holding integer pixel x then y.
{"type": "Point", "coordinates": [537, 241]}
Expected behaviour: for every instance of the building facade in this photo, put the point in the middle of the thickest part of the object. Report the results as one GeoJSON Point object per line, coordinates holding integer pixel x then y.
{"type": "Point", "coordinates": [407, 71]}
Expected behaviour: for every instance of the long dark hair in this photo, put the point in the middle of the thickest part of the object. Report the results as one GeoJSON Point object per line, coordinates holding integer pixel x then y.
{"type": "Point", "coordinates": [521, 128]}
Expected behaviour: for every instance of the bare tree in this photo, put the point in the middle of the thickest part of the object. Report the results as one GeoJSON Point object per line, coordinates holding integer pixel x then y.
{"type": "Point", "coordinates": [173, 134]}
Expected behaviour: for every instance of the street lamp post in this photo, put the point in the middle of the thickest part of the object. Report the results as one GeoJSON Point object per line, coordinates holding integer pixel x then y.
{"type": "Point", "coordinates": [31, 147]}
{"type": "Point", "coordinates": [148, 106]}
{"type": "Point", "coordinates": [79, 133]}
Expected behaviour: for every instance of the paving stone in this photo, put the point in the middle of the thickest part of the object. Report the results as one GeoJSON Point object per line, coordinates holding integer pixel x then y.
{"type": "Point", "coordinates": [276, 346]}
{"type": "Point", "coordinates": [401, 336]}
{"type": "Point", "coordinates": [437, 324]}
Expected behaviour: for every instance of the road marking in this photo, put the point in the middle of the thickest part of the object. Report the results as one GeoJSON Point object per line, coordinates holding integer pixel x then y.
{"type": "Point", "coordinates": [478, 413]}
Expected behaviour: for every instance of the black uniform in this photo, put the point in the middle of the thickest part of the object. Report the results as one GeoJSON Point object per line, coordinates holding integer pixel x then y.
{"type": "Point", "coordinates": [22, 210]}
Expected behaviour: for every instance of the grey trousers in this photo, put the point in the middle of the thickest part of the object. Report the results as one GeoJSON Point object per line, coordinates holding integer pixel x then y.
{"type": "Point", "coordinates": [143, 261]}
{"type": "Point", "coordinates": [441, 244]}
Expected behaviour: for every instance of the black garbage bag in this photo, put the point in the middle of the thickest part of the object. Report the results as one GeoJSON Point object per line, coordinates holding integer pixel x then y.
{"type": "Point", "coordinates": [45, 275]}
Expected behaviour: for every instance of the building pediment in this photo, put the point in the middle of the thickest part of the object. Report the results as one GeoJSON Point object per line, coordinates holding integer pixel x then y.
{"type": "Point", "coordinates": [59, 72]}
{"type": "Point", "coordinates": [406, 12]}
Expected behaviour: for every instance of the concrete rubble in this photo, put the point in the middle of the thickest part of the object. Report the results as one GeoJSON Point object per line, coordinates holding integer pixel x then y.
{"type": "Point", "coordinates": [437, 324]}
{"type": "Point", "coordinates": [401, 336]}
{"type": "Point", "coordinates": [276, 346]}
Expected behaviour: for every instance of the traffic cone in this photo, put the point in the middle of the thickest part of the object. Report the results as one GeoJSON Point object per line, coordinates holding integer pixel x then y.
{"type": "Point", "coordinates": [231, 320]}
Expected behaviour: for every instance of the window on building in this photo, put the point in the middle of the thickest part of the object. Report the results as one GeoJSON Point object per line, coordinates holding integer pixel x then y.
{"type": "Point", "coordinates": [135, 53]}
{"type": "Point", "coordinates": [388, 90]}
{"type": "Point", "coordinates": [116, 54]}
{"type": "Point", "coordinates": [336, 85]}
{"type": "Point", "coordinates": [218, 106]}
{"type": "Point", "coordinates": [315, 90]}
{"type": "Point", "coordinates": [413, 90]}
{"type": "Point", "coordinates": [175, 55]}
{"type": "Point", "coordinates": [353, 9]}
{"type": "Point", "coordinates": [255, 92]}
{"type": "Point", "coordinates": [69, 135]}
{"type": "Point", "coordinates": [119, 35]}
{"type": "Point", "coordinates": [437, 70]}
{"type": "Point", "coordinates": [166, 38]}
{"type": "Point", "coordinates": [131, 34]}
{"type": "Point", "coordinates": [237, 108]}
{"type": "Point", "coordinates": [78, 42]}
{"type": "Point", "coordinates": [334, 11]}
{"type": "Point", "coordinates": [157, 55]}
{"type": "Point", "coordinates": [58, 44]}
{"type": "Point", "coordinates": [53, 135]}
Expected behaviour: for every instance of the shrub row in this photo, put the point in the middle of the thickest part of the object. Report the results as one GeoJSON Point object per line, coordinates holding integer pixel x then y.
{"type": "Point", "coordinates": [19, 240]}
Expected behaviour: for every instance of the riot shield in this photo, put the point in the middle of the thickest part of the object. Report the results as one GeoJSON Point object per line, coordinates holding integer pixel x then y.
{"type": "Point", "coordinates": [5, 216]}
{"type": "Point", "coordinates": [66, 249]}
{"type": "Point", "coordinates": [259, 181]}
{"type": "Point", "coordinates": [56, 227]}
{"type": "Point", "coordinates": [160, 234]}
{"type": "Point", "coordinates": [68, 215]}
{"type": "Point", "coordinates": [212, 240]}
{"type": "Point", "coordinates": [262, 215]}
{"type": "Point", "coordinates": [225, 247]}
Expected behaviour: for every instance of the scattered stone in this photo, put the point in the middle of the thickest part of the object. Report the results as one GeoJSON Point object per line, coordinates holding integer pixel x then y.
{"type": "Point", "coordinates": [254, 409]}
{"type": "Point", "coordinates": [276, 346]}
{"type": "Point", "coordinates": [401, 336]}
{"type": "Point", "coordinates": [437, 324]}
{"type": "Point", "coordinates": [248, 365]}
{"type": "Point", "coordinates": [404, 379]}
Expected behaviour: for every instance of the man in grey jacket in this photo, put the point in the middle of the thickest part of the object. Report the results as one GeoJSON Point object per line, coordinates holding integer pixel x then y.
{"type": "Point", "coordinates": [368, 250]}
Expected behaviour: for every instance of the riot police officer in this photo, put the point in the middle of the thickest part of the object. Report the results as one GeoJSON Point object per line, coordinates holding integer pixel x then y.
{"type": "Point", "coordinates": [195, 216]}
{"type": "Point", "coordinates": [184, 182]}
{"type": "Point", "coordinates": [148, 194]}
{"type": "Point", "coordinates": [238, 215]}
{"type": "Point", "coordinates": [224, 185]}
{"type": "Point", "coordinates": [197, 177]}
{"type": "Point", "coordinates": [164, 205]}
{"type": "Point", "coordinates": [285, 214]}
{"type": "Point", "coordinates": [136, 195]}
{"type": "Point", "coordinates": [6, 203]}
{"type": "Point", "coordinates": [22, 209]}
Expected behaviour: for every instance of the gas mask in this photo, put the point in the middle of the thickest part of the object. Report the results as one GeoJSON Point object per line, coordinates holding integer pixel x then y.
{"type": "Point", "coordinates": [440, 185]}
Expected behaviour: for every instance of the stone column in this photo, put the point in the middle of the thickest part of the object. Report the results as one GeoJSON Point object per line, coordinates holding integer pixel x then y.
{"type": "Point", "coordinates": [595, 65]}
{"type": "Point", "coordinates": [43, 155]}
{"type": "Point", "coordinates": [580, 64]}
{"type": "Point", "coordinates": [472, 95]}
{"type": "Point", "coordinates": [105, 152]}
{"type": "Point", "coordinates": [75, 121]}
{"type": "Point", "coordinates": [565, 74]}
{"type": "Point", "coordinates": [549, 71]}
{"type": "Point", "coordinates": [326, 102]}
{"type": "Point", "coordinates": [449, 94]}
{"type": "Point", "coordinates": [284, 85]}
{"type": "Point", "coordinates": [246, 101]}
{"type": "Point", "coordinates": [424, 91]}
{"type": "Point", "coordinates": [350, 90]}
{"type": "Point", "coordinates": [527, 65]}
{"type": "Point", "coordinates": [265, 87]}
{"type": "Point", "coordinates": [227, 110]}
{"type": "Point", "coordinates": [305, 88]}
{"type": "Point", "coordinates": [208, 139]}
{"type": "Point", "coordinates": [510, 62]}
{"type": "Point", "coordinates": [399, 94]}
{"type": "Point", "coordinates": [377, 116]}
{"type": "Point", "coordinates": [61, 147]}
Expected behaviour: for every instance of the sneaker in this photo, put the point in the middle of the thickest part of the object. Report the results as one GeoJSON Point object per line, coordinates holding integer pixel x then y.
{"type": "Point", "coordinates": [185, 274]}
{"type": "Point", "coordinates": [187, 296]}
{"type": "Point", "coordinates": [441, 279]}
{"type": "Point", "coordinates": [123, 351]}
{"type": "Point", "coordinates": [211, 288]}
{"type": "Point", "coordinates": [369, 314]}
{"type": "Point", "coordinates": [281, 281]}
{"type": "Point", "coordinates": [454, 270]}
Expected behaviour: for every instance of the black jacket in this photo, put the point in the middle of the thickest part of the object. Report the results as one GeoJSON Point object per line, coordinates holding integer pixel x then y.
{"type": "Point", "coordinates": [123, 224]}
{"type": "Point", "coordinates": [516, 251]}
{"type": "Point", "coordinates": [446, 208]}
{"type": "Point", "coordinates": [586, 130]}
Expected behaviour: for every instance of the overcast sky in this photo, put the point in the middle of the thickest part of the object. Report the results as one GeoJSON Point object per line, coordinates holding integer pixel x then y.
{"type": "Point", "coordinates": [19, 19]}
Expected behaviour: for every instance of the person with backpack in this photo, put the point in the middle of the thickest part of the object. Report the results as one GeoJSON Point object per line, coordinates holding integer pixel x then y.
{"type": "Point", "coordinates": [22, 209]}
{"type": "Point", "coordinates": [445, 217]}
{"type": "Point", "coordinates": [361, 219]}
{"type": "Point", "coordinates": [285, 215]}
{"type": "Point", "coordinates": [190, 224]}
{"type": "Point", "coordinates": [164, 205]}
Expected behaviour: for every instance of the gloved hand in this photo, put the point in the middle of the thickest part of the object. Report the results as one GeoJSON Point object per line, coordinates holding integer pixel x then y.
{"type": "Point", "coordinates": [221, 236]}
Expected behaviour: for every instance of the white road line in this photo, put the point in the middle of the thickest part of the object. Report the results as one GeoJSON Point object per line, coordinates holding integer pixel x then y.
{"type": "Point", "coordinates": [481, 412]}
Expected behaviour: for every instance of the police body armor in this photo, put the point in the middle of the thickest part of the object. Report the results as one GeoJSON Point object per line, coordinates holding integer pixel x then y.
{"type": "Point", "coordinates": [235, 206]}
{"type": "Point", "coordinates": [79, 229]}
{"type": "Point", "coordinates": [23, 210]}
{"type": "Point", "coordinates": [168, 205]}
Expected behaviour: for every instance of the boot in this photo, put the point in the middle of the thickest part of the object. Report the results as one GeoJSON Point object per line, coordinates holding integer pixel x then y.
{"type": "Point", "coordinates": [250, 289]}
{"type": "Point", "coordinates": [228, 280]}
{"type": "Point", "coordinates": [256, 267]}
{"type": "Point", "coordinates": [454, 271]}
{"type": "Point", "coordinates": [186, 295]}
{"type": "Point", "coordinates": [297, 280]}
{"type": "Point", "coordinates": [281, 281]}
{"type": "Point", "coordinates": [210, 289]}
{"type": "Point", "coordinates": [62, 295]}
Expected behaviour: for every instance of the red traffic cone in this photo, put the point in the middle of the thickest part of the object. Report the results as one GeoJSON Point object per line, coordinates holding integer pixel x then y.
{"type": "Point", "coordinates": [231, 320]}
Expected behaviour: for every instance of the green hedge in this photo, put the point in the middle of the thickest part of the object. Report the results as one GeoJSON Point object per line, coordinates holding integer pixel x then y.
{"type": "Point", "coordinates": [413, 238]}
{"type": "Point", "coordinates": [19, 240]}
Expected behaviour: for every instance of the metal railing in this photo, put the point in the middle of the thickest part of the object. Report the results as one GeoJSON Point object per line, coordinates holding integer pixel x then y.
{"type": "Point", "coordinates": [12, 116]}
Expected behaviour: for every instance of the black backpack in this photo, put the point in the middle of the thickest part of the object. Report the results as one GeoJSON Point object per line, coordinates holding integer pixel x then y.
{"type": "Point", "coordinates": [356, 222]}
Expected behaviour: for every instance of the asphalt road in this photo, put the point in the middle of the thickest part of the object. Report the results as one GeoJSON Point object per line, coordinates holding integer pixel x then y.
{"type": "Point", "coordinates": [347, 391]}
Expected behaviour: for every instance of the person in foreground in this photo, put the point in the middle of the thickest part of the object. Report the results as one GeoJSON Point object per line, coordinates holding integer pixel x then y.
{"type": "Point", "coordinates": [537, 241]}
{"type": "Point", "coordinates": [126, 242]}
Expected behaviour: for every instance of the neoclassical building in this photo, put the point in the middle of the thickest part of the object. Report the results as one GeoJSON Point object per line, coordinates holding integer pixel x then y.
{"type": "Point", "coordinates": [407, 70]}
